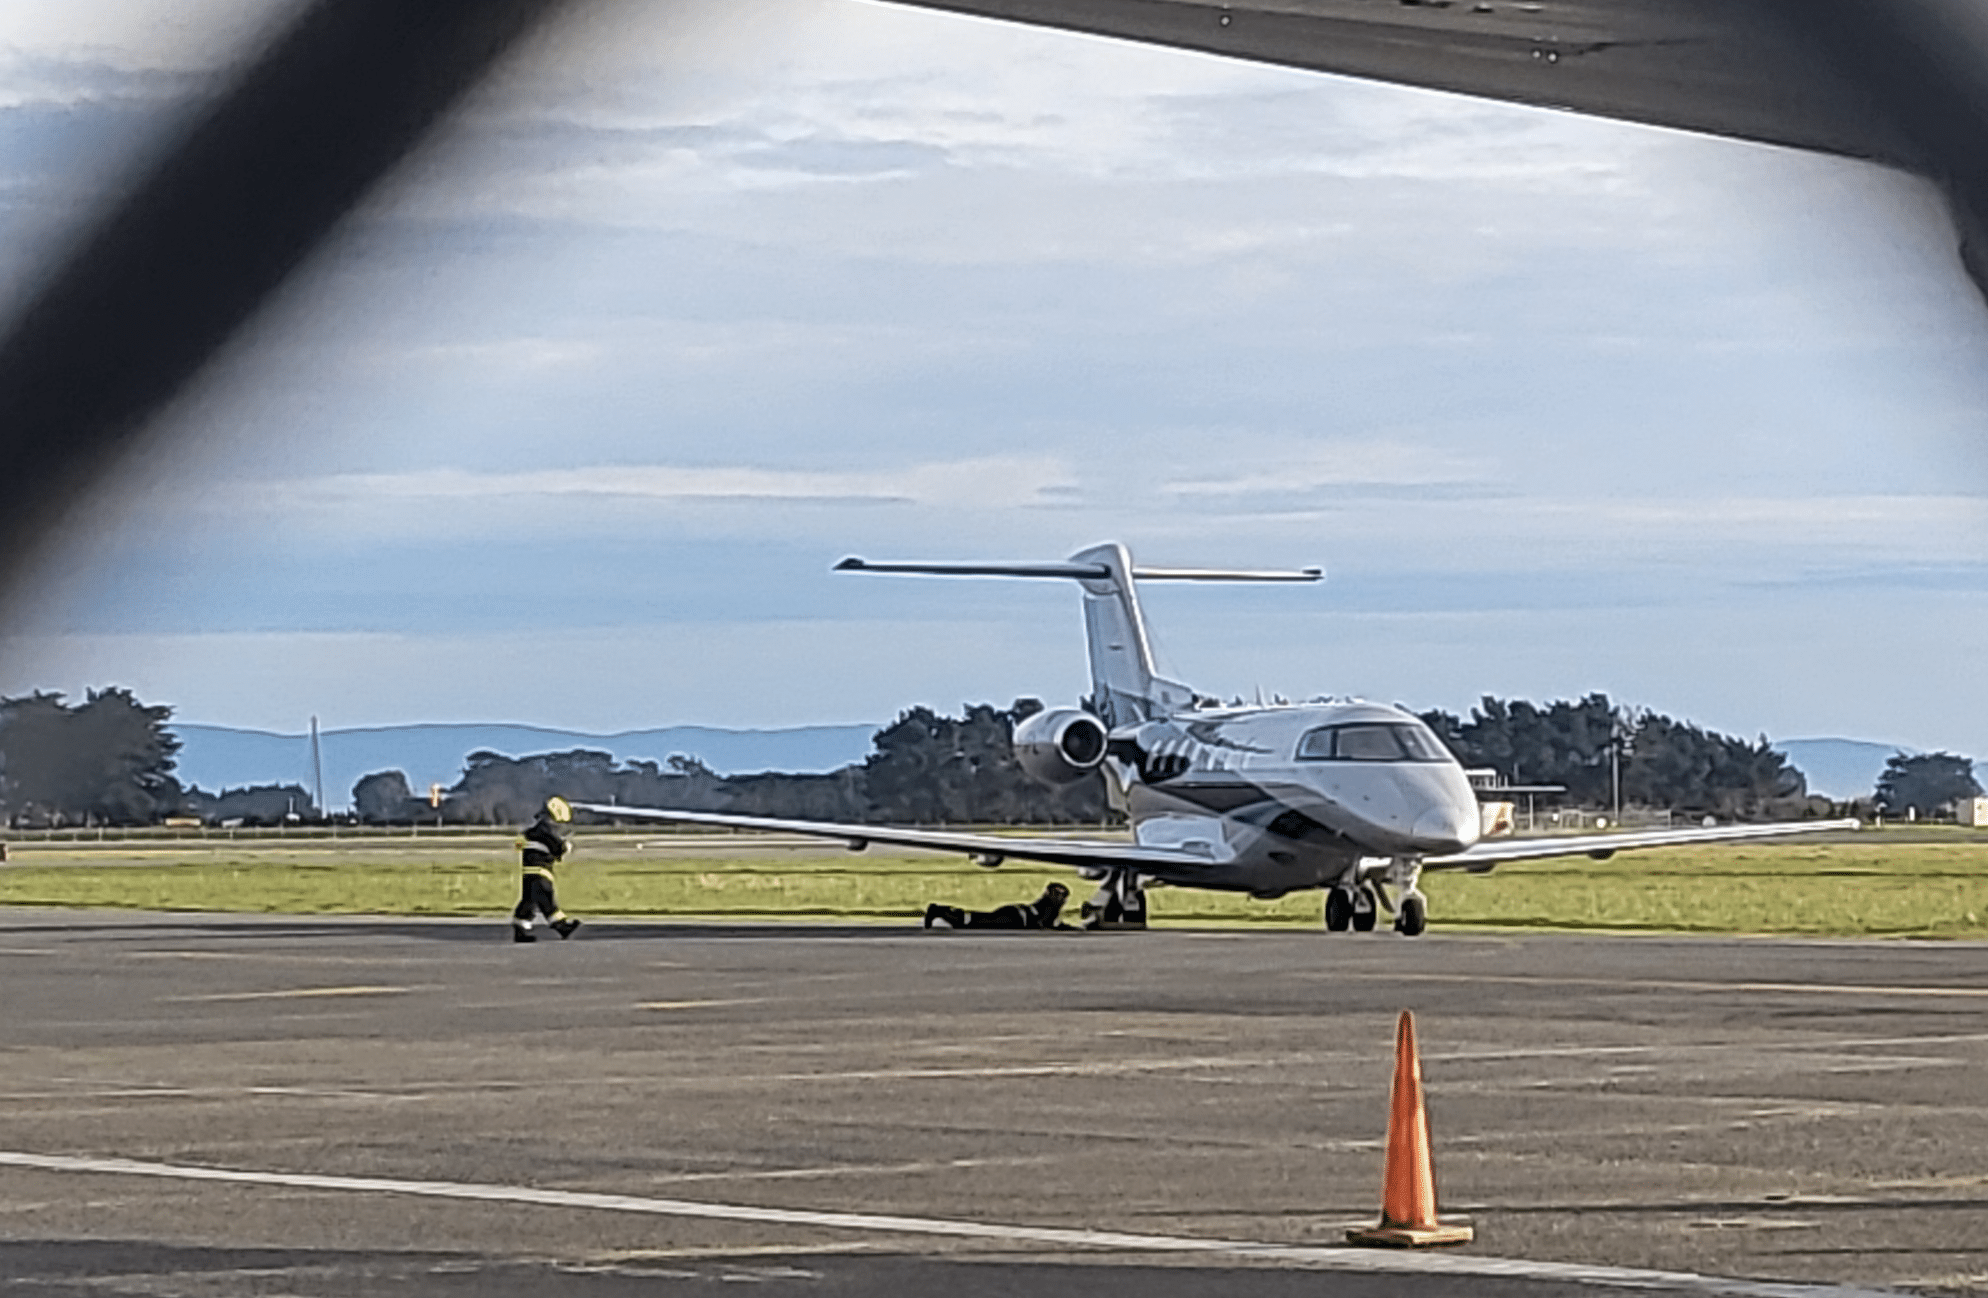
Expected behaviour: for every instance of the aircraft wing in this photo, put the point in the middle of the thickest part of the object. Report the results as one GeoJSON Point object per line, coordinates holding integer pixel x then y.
{"type": "Point", "coordinates": [1484, 855]}
{"type": "Point", "coordinates": [989, 849]}
{"type": "Point", "coordinates": [1740, 68]}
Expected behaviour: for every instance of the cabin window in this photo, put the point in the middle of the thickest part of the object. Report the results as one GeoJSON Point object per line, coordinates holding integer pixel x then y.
{"type": "Point", "coordinates": [1371, 741]}
{"type": "Point", "coordinates": [1420, 745]}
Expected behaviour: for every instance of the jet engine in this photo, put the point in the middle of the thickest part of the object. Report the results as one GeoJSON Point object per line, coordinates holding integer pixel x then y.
{"type": "Point", "coordinates": [1060, 745]}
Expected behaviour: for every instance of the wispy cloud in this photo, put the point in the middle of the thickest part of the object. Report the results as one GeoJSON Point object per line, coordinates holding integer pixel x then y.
{"type": "Point", "coordinates": [1303, 467]}
{"type": "Point", "coordinates": [1829, 526]}
{"type": "Point", "coordinates": [1528, 525]}
{"type": "Point", "coordinates": [508, 355]}
{"type": "Point", "coordinates": [97, 49]}
{"type": "Point", "coordinates": [991, 483]}
{"type": "Point", "coordinates": [40, 81]}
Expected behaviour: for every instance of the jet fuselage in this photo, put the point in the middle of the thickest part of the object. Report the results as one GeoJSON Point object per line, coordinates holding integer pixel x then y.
{"type": "Point", "coordinates": [1289, 797]}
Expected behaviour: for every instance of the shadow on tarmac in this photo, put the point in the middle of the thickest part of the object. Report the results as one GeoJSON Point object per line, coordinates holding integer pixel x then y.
{"type": "Point", "coordinates": [477, 931]}
{"type": "Point", "coordinates": [67, 1266]}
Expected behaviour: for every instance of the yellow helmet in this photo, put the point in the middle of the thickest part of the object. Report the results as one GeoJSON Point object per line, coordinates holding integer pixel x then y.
{"type": "Point", "coordinates": [559, 809]}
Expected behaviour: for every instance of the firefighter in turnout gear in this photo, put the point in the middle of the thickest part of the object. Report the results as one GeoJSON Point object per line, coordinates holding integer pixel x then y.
{"type": "Point", "coordinates": [541, 847]}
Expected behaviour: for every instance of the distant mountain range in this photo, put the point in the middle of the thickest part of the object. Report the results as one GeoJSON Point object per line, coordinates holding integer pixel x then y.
{"type": "Point", "coordinates": [220, 757]}
{"type": "Point", "coordinates": [1848, 768]}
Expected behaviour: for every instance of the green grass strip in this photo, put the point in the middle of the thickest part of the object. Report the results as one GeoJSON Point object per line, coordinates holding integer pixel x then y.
{"type": "Point", "coordinates": [1866, 886]}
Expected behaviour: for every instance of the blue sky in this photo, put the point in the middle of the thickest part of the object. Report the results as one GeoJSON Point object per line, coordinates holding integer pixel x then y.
{"type": "Point", "coordinates": [694, 300]}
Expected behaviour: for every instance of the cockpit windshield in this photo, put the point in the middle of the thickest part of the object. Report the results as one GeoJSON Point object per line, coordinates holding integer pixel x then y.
{"type": "Point", "coordinates": [1372, 741]}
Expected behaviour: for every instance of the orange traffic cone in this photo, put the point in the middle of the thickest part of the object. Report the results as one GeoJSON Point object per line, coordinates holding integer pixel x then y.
{"type": "Point", "coordinates": [1408, 1203]}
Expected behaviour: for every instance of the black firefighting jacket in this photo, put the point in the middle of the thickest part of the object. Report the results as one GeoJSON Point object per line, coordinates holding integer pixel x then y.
{"type": "Point", "coordinates": [540, 846]}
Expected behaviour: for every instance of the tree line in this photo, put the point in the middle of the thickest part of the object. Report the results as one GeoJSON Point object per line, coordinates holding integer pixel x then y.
{"type": "Point", "coordinates": [110, 760]}
{"type": "Point", "coordinates": [1603, 753]}
{"type": "Point", "coordinates": [1596, 749]}
{"type": "Point", "coordinates": [106, 761]}
{"type": "Point", "coordinates": [925, 769]}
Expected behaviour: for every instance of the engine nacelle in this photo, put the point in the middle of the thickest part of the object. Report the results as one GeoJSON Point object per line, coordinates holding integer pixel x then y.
{"type": "Point", "coordinates": [1060, 745]}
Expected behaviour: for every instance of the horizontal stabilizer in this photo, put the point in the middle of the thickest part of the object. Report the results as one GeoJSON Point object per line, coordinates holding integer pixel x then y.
{"type": "Point", "coordinates": [1073, 571]}
{"type": "Point", "coordinates": [1229, 574]}
{"type": "Point", "coordinates": [1080, 571]}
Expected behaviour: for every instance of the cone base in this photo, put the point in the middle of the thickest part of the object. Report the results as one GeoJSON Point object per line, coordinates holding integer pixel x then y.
{"type": "Point", "coordinates": [1389, 1235]}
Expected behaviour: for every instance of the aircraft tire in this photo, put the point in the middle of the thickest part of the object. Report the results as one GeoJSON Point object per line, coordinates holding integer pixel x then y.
{"type": "Point", "coordinates": [1364, 917]}
{"type": "Point", "coordinates": [1412, 916]}
{"type": "Point", "coordinates": [1338, 910]}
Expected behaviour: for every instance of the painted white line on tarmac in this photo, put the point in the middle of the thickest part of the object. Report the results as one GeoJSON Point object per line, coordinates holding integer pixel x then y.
{"type": "Point", "coordinates": [853, 1169]}
{"type": "Point", "coordinates": [1669, 984]}
{"type": "Point", "coordinates": [1335, 1259]}
{"type": "Point", "coordinates": [1824, 1045]}
{"type": "Point", "coordinates": [1859, 1043]}
{"type": "Point", "coordinates": [192, 955]}
{"type": "Point", "coordinates": [698, 1005]}
{"type": "Point", "coordinates": [294, 993]}
{"type": "Point", "coordinates": [1049, 1068]}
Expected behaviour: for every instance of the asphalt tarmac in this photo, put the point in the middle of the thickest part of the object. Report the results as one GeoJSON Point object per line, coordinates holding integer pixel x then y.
{"type": "Point", "coordinates": [228, 1105]}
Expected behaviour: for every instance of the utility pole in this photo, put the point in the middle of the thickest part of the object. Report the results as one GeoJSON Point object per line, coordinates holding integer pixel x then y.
{"type": "Point", "coordinates": [1621, 737]}
{"type": "Point", "coordinates": [317, 765]}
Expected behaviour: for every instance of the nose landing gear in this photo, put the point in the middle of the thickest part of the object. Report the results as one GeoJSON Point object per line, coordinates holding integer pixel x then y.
{"type": "Point", "coordinates": [1411, 916]}
{"type": "Point", "coordinates": [1356, 903]}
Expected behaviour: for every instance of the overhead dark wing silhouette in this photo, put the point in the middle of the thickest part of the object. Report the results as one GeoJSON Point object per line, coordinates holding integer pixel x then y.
{"type": "Point", "coordinates": [1901, 82]}
{"type": "Point", "coordinates": [188, 253]}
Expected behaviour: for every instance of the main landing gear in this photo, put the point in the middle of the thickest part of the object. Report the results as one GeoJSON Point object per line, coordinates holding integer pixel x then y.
{"type": "Point", "coordinates": [1120, 902]}
{"type": "Point", "coordinates": [1356, 901]}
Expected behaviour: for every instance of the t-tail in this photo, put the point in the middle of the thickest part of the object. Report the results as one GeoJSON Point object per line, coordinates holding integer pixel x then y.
{"type": "Point", "coordinates": [1125, 688]}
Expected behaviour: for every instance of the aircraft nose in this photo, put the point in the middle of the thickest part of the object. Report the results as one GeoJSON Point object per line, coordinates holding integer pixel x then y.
{"type": "Point", "coordinates": [1450, 827]}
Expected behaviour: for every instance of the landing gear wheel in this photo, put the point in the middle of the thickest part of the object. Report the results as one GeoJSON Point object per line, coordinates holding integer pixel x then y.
{"type": "Point", "coordinates": [1366, 909]}
{"type": "Point", "coordinates": [1120, 903]}
{"type": "Point", "coordinates": [1338, 910]}
{"type": "Point", "coordinates": [1412, 916]}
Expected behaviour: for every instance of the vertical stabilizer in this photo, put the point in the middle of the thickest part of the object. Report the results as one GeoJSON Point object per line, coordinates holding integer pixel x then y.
{"type": "Point", "coordinates": [1124, 686]}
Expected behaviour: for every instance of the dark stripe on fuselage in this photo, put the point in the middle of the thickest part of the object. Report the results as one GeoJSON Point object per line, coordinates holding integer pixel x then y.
{"type": "Point", "coordinates": [1222, 798]}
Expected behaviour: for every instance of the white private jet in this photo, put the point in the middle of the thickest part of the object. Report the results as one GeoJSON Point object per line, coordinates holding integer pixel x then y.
{"type": "Point", "coordinates": [1353, 797]}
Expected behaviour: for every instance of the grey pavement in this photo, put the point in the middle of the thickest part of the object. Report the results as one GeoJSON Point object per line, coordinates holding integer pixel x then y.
{"type": "Point", "coordinates": [660, 1106]}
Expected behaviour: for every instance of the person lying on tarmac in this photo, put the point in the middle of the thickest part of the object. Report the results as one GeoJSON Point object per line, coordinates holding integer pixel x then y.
{"type": "Point", "coordinates": [1040, 913]}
